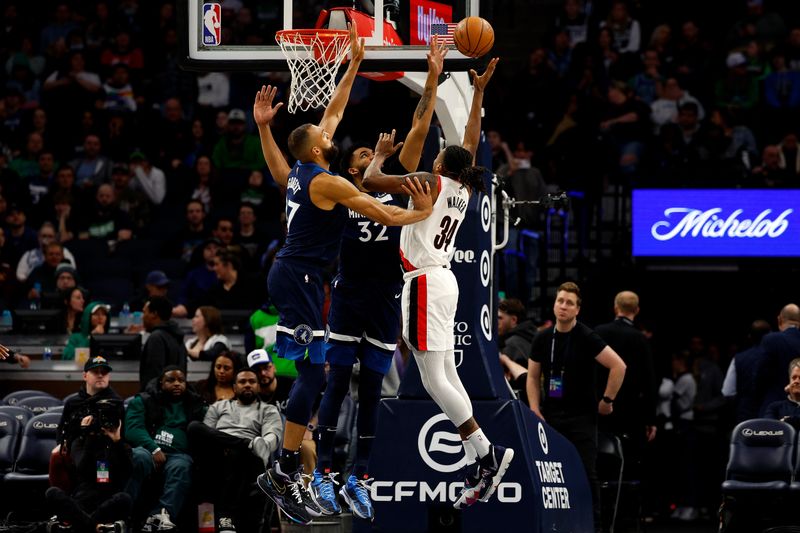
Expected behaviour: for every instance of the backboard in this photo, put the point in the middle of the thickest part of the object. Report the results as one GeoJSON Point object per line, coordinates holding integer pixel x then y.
{"type": "Point", "coordinates": [236, 35]}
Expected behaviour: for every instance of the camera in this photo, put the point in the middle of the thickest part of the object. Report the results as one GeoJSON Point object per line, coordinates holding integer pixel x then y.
{"type": "Point", "coordinates": [106, 413]}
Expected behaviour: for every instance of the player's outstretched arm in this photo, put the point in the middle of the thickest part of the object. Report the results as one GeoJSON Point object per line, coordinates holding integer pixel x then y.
{"type": "Point", "coordinates": [421, 123]}
{"type": "Point", "coordinates": [339, 190]}
{"type": "Point", "coordinates": [263, 113]}
{"type": "Point", "coordinates": [375, 180]}
{"type": "Point", "coordinates": [335, 110]}
{"type": "Point", "coordinates": [472, 133]}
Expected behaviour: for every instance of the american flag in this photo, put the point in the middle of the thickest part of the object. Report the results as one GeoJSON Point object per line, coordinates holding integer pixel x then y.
{"type": "Point", "coordinates": [445, 30]}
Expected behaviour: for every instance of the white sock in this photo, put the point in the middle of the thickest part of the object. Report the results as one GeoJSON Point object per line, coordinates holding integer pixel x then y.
{"type": "Point", "coordinates": [479, 441]}
{"type": "Point", "coordinates": [469, 451]}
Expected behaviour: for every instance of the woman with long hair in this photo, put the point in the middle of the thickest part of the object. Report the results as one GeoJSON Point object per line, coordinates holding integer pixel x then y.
{"type": "Point", "coordinates": [219, 383]}
{"type": "Point", "coordinates": [74, 303]}
{"type": "Point", "coordinates": [208, 341]}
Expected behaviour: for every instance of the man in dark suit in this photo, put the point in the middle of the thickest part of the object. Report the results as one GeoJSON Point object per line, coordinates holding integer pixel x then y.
{"type": "Point", "coordinates": [741, 381]}
{"type": "Point", "coordinates": [634, 416]}
{"type": "Point", "coordinates": [779, 348]}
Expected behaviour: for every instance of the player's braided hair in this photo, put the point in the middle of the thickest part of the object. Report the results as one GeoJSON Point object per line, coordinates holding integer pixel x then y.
{"type": "Point", "coordinates": [457, 163]}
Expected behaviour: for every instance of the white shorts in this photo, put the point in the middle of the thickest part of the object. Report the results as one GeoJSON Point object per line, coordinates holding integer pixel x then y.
{"type": "Point", "coordinates": [430, 297]}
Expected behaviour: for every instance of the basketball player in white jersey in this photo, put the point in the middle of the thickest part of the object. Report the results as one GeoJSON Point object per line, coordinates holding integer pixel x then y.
{"type": "Point", "coordinates": [430, 291]}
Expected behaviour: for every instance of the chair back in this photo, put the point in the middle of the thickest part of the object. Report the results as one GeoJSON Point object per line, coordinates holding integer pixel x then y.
{"type": "Point", "coordinates": [9, 441]}
{"type": "Point", "coordinates": [39, 404]}
{"type": "Point", "coordinates": [38, 440]}
{"type": "Point", "coordinates": [761, 450]}
{"type": "Point", "coordinates": [13, 397]}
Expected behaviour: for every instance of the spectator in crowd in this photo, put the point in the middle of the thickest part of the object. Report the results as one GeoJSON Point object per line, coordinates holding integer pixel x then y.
{"type": "Point", "coordinates": [119, 93]}
{"type": "Point", "coordinates": [564, 357]}
{"type": "Point", "coordinates": [238, 436]}
{"type": "Point", "coordinates": [624, 127]}
{"type": "Point", "coordinates": [39, 185]}
{"type": "Point", "coordinates": [26, 164]}
{"type": "Point", "coordinates": [43, 278]}
{"type": "Point", "coordinates": [106, 221]}
{"type": "Point", "coordinates": [789, 157]}
{"type": "Point", "coordinates": [62, 25]}
{"type": "Point", "coordinates": [122, 52]}
{"type": "Point", "coordinates": [131, 200]}
{"type": "Point", "coordinates": [66, 278]}
{"type": "Point", "coordinates": [249, 238]}
{"type": "Point", "coordinates": [788, 410]}
{"type": "Point", "coordinates": [769, 173]}
{"type": "Point", "coordinates": [573, 19]}
{"type": "Point", "coordinates": [35, 257]}
{"type": "Point", "coordinates": [625, 30]}
{"type": "Point", "coordinates": [738, 90]}
{"type": "Point", "coordinates": [64, 185]}
{"type": "Point", "coordinates": [780, 348]}
{"type": "Point", "coordinates": [782, 92]}
{"type": "Point", "coordinates": [692, 53]}
{"type": "Point", "coordinates": [19, 236]}
{"type": "Point", "coordinates": [74, 304]}
{"type": "Point", "coordinates": [219, 383]}
{"type": "Point", "coordinates": [634, 416]}
{"type": "Point", "coordinates": [206, 177]}
{"type": "Point", "coordinates": [515, 331]}
{"type": "Point", "coordinates": [193, 232]}
{"type": "Point", "coordinates": [272, 388]}
{"type": "Point", "coordinates": [237, 149]}
{"type": "Point", "coordinates": [164, 346]}
{"type": "Point", "coordinates": [94, 321]}
{"type": "Point", "coordinates": [172, 138]}
{"type": "Point", "coordinates": [92, 168]}
{"type": "Point", "coordinates": [664, 110]}
{"type": "Point", "coordinates": [198, 281]}
{"type": "Point", "coordinates": [213, 91]}
{"type": "Point", "coordinates": [743, 374]}
{"type": "Point", "coordinates": [90, 432]}
{"type": "Point", "coordinates": [680, 397]}
{"type": "Point", "coordinates": [224, 231]}
{"type": "Point", "coordinates": [516, 375]}
{"type": "Point", "coordinates": [156, 423]}
{"type": "Point", "coordinates": [148, 179]}
{"type": "Point", "coordinates": [208, 341]}
{"type": "Point", "coordinates": [648, 84]}
{"type": "Point", "coordinates": [233, 289]}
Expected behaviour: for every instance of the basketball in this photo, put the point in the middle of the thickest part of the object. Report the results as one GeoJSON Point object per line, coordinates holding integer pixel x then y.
{"type": "Point", "coordinates": [474, 36]}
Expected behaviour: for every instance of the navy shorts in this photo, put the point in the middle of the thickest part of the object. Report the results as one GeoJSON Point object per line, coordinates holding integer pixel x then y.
{"type": "Point", "coordinates": [296, 290]}
{"type": "Point", "coordinates": [364, 321]}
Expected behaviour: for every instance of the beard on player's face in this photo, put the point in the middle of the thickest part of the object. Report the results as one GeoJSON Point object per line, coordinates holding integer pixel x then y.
{"type": "Point", "coordinates": [331, 153]}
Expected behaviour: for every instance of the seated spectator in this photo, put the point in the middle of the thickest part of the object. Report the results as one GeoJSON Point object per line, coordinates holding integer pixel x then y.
{"type": "Point", "coordinates": [573, 19]}
{"type": "Point", "coordinates": [664, 110]}
{"type": "Point", "coordinates": [8, 281]}
{"type": "Point", "coordinates": [19, 236]}
{"type": "Point", "coordinates": [119, 95]}
{"type": "Point", "coordinates": [769, 173]}
{"type": "Point", "coordinates": [625, 126]}
{"type": "Point", "coordinates": [44, 275]}
{"type": "Point", "coordinates": [74, 304]}
{"type": "Point", "coordinates": [26, 164]}
{"type": "Point", "coordinates": [156, 285]}
{"type": "Point", "coordinates": [90, 442]}
{"type": "Point", "coordinates": [272, 389]}
{"type": "Point", "coordinates": [223, 230]}
{"type": "Point", "coordinates": [782, 91]}
{"type": "Point", "coordinates": [39, 185]}
{"type": "Point", "coordinates": [35, 257]}
{"type": "Point", "coordinates": [147, 178]}
{"type": "Point", "coordinates": [92, 169]}
{"type": "Point", "coordinates": [164, 346]}
{"type": "Point", "coordinates": [208, 341]}
{"type": "Point", "coordinates": [122, 52]}
{"type": "Point", "coordinates": [789, 156]}
{"type": "Point", "coordinates": [94, 321]}
{"type": "Point", "coordinates": [788, 410]}
{"type": "Point", "coordinates": [219, 383]}
{"type": "Point", "coordinates": [156, 422]}
{"type": "Point", "coordinates": [738, 139]}
{"type": "Point", "coordinates": [648, 84]}
{"type": "Point", "coordinates": [250, 239]}
{"type": "Point", "coordinates": [132, 201]}
{"type": "Point", "coordinates": [192, 233]}
{"type": "Point", "coordinates": [237, 149]}
{"type": "Point", "coordinates": [738, 90]}
{"type": "Point", "coordinates": [171, 137]}
{"type": "Point", "coordinates": [233, 289]}
{"type": "Point", "coordinates": [70, 90]}
{"type": "Point", "coordinates": [515, 331]}
{"type": "Point", "coordinates": [64, 203]}
{"type": "Point", "coordinates": [238, 436]}
{"type": "Point", "coordinates": [106, 220]}
{"type": "Point", "coordinates": [66, 277]}
{"type": "Point", "coordinates": [626, 31]}
{"type": "Point", "coordinates": [198, 281]}
{"type": "Point", "coordinates": [206, 178]}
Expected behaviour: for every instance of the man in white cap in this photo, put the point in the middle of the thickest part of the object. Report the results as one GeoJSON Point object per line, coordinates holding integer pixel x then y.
{"type": "Point", "coordinates": [273, 389]}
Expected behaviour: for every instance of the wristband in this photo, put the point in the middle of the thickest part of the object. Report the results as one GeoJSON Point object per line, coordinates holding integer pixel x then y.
{"type": "Point", "coordinates": [607, 400]}
{"type": "Point", "coordinates": [155, 451]}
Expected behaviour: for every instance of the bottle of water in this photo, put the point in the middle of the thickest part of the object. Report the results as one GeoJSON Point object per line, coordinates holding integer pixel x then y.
{"type": "Point", "coordinates": [125, 316]}
{"type": "Point", "coordinates": [6, 320]}
{"type": "Point", "coordinates": [47, 353]}
{"type": "Point", "coordinates": [35, 301]}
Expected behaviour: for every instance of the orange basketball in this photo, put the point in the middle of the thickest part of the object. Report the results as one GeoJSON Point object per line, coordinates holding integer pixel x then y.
{"type": "Point", "coordinates": [474, 36]}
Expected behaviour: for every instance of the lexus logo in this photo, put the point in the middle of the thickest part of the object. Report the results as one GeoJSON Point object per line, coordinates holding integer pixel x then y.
{"type": "Point", "coordinates": [543, 439]}
{"type": "Point", "coordinates": [441, 449]}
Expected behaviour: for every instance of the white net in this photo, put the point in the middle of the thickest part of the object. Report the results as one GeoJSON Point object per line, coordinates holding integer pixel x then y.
{"type": "Point", "coordinates": [314, 57]}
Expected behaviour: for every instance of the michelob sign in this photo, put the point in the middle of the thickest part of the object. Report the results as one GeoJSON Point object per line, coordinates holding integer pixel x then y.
{"type": "Point", "coordinates": [716, 222]}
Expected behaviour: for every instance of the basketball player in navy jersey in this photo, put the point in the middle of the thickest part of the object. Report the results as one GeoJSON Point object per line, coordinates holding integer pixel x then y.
{"type": "Point", "coordinates": [364, 317]}
{"type": "Point", "coordinates": [317, 204]}
{"type": "Point", "coordinates": [430, 292]}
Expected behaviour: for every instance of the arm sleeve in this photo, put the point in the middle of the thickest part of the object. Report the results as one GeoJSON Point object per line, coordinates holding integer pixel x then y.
{"type": "Point", "coordinates": [135, 430]}
{"type": "Point", "coordinates": [685, 391]}
{"type": "Point", "coordinates": [212, 416]}
{"type": "Point", "coordinates": [271, 429]}
{"type": "Point", "coordinates": [729, 385]}
{"type": "Point", "coordinates": [154, 185]}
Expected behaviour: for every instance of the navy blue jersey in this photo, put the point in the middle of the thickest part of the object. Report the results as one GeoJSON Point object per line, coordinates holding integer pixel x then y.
{"type": "Point", "coordinates": [371, 251]}
{"type": "Point", "coordinates": [313, 233]}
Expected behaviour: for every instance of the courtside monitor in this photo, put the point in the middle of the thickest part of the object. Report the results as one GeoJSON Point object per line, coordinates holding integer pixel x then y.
{"type": "Point", "coordinates": [219, 37]}
{"type": "Point", "coordinates": [39, 321]}
{"type": "Point", "coordinates": [117, 347]}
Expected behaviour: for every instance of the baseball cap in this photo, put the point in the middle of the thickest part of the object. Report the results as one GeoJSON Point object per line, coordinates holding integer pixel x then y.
{"type": "Point", "coordinates": [258, 357]}
{"type": "Point", "coordinates": [98, 361]}
{"type": "Point", "coordinates": [237, 114]}
{"type": "Point", "coordinates": [66, 267]}
{"type": "Point", "coordinates": [101, 306]}
{"type": "Point", "coordinates": [138, 156]}
{"type": "Point", "coordinates": [157, 278]}
{"type": "Point", "coordinates": [735, 59]}
{"type": "Point", "coordinates": [120, 168]}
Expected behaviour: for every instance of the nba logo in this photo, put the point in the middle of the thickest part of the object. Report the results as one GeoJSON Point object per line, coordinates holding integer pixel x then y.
{"type": "Point", "coordinates": [212, 22]}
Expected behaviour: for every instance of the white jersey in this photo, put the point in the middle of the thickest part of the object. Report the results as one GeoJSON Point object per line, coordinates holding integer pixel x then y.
{"type": "Point", "coordinates": [431, 242]}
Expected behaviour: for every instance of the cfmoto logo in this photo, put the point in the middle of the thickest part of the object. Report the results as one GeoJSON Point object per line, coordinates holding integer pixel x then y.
{"type": "Point", "coordinates": [444, 445]}
{"type": "Point", "coordinates": [543, 439]}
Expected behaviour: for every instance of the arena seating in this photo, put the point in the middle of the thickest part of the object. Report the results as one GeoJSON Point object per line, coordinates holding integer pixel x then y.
{"type": "Point", "coordinates": [13, 397]}
{"type": "Point", "coordinates": [10, 429]}
{"type": "Point", "coordinates": [40, 404]}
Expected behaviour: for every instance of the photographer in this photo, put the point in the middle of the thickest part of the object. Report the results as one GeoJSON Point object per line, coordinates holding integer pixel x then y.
{"type": "Point", "coordinates": [91, 444]}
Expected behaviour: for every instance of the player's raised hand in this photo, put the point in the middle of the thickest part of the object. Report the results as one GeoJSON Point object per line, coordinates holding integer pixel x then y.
{"type": "Point", "coordinates": [480, 82]}
{"type": "Point", "coordinates": [386, 146]}
{"type": "Point", "coordinates": [356, 43]}
{"type": "Point", "coordinates": [436, 55]}
{"type": "Point", "coordinates": [263, 110]}
{"type": "Point", "coordinates": [420, 195]}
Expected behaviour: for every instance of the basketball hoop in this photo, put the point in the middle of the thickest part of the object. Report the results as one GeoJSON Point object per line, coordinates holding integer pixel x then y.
{"type": "Point", "coordinates": [314, 57]}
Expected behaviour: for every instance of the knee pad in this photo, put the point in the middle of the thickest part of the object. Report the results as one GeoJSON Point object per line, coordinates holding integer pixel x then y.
{"type": "Point", "coordinates": [310, 379]}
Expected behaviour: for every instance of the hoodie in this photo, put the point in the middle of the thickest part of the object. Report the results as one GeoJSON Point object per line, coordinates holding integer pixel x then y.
{"type": "Point", "coordinates": [517, 343]}
{"type": "Point", "coordinates": [83, 338]}
{"type": "Point", "coordinates": [164, 347]}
